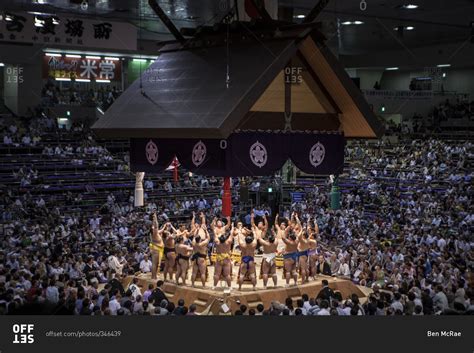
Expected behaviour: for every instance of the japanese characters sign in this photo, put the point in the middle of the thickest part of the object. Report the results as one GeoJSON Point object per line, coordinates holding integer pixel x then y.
{"type": "Point", "coordinates": [63, 30]}
{"type": "Point", "coordinates": [83, 68]}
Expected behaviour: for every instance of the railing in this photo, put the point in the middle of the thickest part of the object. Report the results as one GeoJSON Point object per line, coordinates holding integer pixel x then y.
{"type": "Point", "coordinates": [393, 94]}
{"type": "Point", "coordinates": [416, 94]}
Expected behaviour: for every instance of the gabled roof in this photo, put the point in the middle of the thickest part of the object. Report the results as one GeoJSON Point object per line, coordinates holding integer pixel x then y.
{"type": "Point", "coordinates": [183, 94]}
{"type": "Point", "coordinates": [356, 117]}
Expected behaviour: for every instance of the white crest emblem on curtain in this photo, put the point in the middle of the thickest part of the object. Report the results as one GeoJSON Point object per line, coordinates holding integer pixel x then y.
{"type": "Point", "coordinates": [199, 153]}
{"type": "Point", "coordinates": [151, 151]}
{"type": "Point", "coordinates": [258, 154]}
{"type": "Point", "coordinates": [317, 154]}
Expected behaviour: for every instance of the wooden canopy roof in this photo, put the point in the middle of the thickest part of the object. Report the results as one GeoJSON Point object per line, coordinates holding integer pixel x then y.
{"type": "Point", "coordinates": [183, 94]}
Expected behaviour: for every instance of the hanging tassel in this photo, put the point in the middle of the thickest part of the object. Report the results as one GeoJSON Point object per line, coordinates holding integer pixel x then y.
{"type": "Point", "coordinates": [139, 189]}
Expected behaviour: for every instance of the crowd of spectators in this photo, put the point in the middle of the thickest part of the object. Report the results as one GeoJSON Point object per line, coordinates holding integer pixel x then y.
{"type": "Point", "coordinates": [458, 110]}
{"type": "Point", "coordinates": [53, 95]}
{"type": "Point", "coordinates": [404, 229]}
{"type": "Point", "coordinates": [446, 116]}
{"type": "Point", "coordinates": [26, 133]}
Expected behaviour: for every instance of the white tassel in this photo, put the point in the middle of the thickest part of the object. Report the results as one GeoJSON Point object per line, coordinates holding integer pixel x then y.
{"type": "Point", "coordinates": [139, 189]}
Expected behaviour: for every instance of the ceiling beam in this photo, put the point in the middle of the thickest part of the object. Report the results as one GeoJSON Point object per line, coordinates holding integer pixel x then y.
{"type": "Point", "coordinates": [316, 11]}
{"type": "Point", "coordinates": [166, 20]}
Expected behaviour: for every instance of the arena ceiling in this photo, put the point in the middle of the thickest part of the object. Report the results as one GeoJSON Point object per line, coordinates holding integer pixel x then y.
{"type": "Point", "coordinates": [433, 21]}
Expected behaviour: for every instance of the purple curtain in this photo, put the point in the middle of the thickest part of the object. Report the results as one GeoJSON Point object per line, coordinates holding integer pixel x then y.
{"type": "Point", "coordinates": [201, 156]}
{"type": "Point", "coordinates": [243, 153]}
{"type": "Point", "coordinates": [317, 153]}
{"type": "Point", "coordinates": [150, 155]}
{"type": "Point", "coordinates": [256, 153]}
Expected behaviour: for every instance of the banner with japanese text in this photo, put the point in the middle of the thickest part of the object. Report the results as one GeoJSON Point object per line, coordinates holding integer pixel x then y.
{"type": "Point", "coordinates": [83, 68]}
{"type": "Point", "coordinates": [65, 30]}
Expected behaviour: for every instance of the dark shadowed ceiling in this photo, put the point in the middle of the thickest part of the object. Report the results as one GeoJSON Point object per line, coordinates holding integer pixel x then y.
{"type": "Point", "coordinates": [434, 21]}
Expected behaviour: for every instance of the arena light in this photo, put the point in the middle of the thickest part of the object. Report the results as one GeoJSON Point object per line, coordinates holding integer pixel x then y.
{"type": "Point", "coordinates": [93, 57]}
{"type": "Point", "coordinates": [300, 16]}
{"type": "Point", "coordinates": [62, 79]}
{"type": "Point", "coordinates": [410, 6]}
{"type": "Point", "coordinates": [2, 64]}
{"type": "Point", "coordinates": [68, 113]}
{"type": "Point", "coordinates": [82, 80]}
{"type": "Point", "coordinates": [443, 65]}
{"type": "Point", "coordinates": [53, 54]}
{"type": "Point", "coordinates": [391, 69]}
{"type": "Point", "coordinates": [111, 58]}
{"type": "Point", "coordinates": [139, 60]}
{"type": "Point", "coordinates": [38, 13]}
{"type": "Point", "coordinates": [347, 23]}
{"type": "Point", "coordinates": [103, 81]}
{"type": "Point", "coordinates": [73, 56]}
{"type": "Point", "coordinates": [402, 28]}
{"type": "Point", "coordinates": [444, 74]}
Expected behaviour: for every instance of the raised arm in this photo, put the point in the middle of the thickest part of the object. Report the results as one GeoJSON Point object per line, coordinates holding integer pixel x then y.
{"type": "Point", "coordinates": [204, 228]}
{"type": "Point", "coordinates": [154, 224]}
{"type": "Point", "coordinates": [252, 220]}
{"type": "Point", "coordinates": [162, 229]}
{"type": "Point", "coordinates": [263, 241]}
{"type": "Point", "coordinates": [316, 227]}
{"type": "Point", "coordinates": [265, 224]}
{"type": "Point", "coordinates": [241, 240]}
{"type": "Point", "coordinates": [229, 223]}
{"type": "Point", "coordinates": [203, 218]}
{"type": "Point", "coordinates": [284, 239]}
{"type": "Point", "coordinates": [246, 231]}
{"type": "Point", "coordinates": [205, 242]}
{"type": "Point", "coordinates": [193, 221]}
{"type": "Point", "coordinates": [172, 227]}
{"type": "Point", "coordinates": [277, 225]}
{"type": "Point", "coordinates": [230, 239]}
{"type": "Point", "coordinates": [277, 235]}
{"type": "Point", "coordinates": [300, 234]}
{"type": "Point", "coordinates": [297, 220]}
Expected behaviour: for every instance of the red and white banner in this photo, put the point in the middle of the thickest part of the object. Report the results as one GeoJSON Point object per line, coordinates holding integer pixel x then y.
{"type": "Point", "coordinates": [82, 68]}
